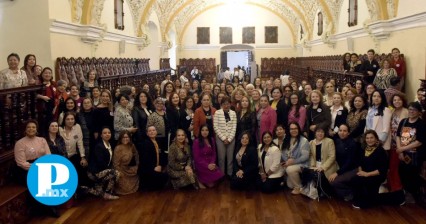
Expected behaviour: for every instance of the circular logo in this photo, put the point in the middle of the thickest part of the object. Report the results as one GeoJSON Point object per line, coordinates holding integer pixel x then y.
{"type": "Point", "coordinates": [52, 180]}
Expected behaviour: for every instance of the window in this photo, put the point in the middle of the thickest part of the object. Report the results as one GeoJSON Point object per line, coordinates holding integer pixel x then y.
{"type": "Point", "coordinates": [353, 13]}
{"type": "Point", "coordinates": [301, 32]}
{"type": "Point", "coordinates": [320, 24]}
{"type": "Point", "coordinates": [119, 14]}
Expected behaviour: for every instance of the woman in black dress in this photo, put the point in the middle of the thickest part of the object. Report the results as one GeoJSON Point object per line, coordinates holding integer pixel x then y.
{"type": "Point", "coordinates": [186, 117]}
{"type": "Point", "coordinates": [245, 164]}
{"type": "Point", "coordinates": [153, 162]}
{"type": "Point", "coordinates": [246, 121]}
{"type": "Point", "coordinates": [371, 173]}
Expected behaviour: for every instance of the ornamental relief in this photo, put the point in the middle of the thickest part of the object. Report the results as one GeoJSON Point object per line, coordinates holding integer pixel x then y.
{"type": "Point", "coordinates": [136, 8]}
{"type": "Point", "coordinates": [373, 9]}
{"type": "Point", "coordinates": [76, 10]}
{"type": "Point", "coordinates": [97, 8]}
{"type": "Point", "coordinates": [296, 12]}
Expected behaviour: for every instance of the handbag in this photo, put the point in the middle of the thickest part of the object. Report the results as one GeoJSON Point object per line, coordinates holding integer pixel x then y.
{"type": "Point", "coordinates": [312, 184]}
{"type": "Point", "coordinates": [310, 190]}
{"type": "Point", "coordinates": [411, 158]}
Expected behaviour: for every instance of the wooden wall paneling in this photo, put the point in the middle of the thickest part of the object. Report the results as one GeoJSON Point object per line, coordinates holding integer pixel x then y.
{"type": "Point", "coordinates": [206, 65]}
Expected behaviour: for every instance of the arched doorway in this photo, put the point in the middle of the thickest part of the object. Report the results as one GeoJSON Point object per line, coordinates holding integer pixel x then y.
{"type": "Point", "coordinates": [235, 55]}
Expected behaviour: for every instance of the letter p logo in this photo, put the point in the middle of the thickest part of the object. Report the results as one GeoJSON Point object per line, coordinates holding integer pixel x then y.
{"type": "Point", "coordinates": [45, 176]}
{"type": "Point", "coordinates": [52, 180]}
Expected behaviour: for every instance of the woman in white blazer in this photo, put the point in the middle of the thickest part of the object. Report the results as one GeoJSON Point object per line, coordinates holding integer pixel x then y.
{"type": "Point", "coordinates": [225, 127]}
{"type": "Point", "coordinates": [270, 169]}
{"type": "Point", "coordinates": [379, 118]}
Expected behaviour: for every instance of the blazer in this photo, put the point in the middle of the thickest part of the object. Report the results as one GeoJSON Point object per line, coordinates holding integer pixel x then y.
{"type": "Point", "coordinates": [100, 159]}
{"type": "Point", "coordinates": [140, 118]}
{"type": "Point", "coordinates": [173, 118]}
{"type": "Point", "coordinates": [248, 122]}
{"type": "Point", "coordinates": [200, 119]}
{"type": "Point", "coordinates": [268, 120]}
{"type": "Point", "coordinates": [225, 130]}
{"type": "Point", "coordinates": [148, 158]}
{"type": "Point", "coordinates": [249, 162]}
{"type": "Point", "coordinates": [322, 118]}
{"type": "Point", "coordinates": [367, 66]}
{"type": "Point", "coordinates": [382, 125]}
{"type": "Point", "coordinates": [328, 156]}
{"type": "Point", "coordinates": [272, 162]}
{"type": "Point", "coordinates": [340, 118]}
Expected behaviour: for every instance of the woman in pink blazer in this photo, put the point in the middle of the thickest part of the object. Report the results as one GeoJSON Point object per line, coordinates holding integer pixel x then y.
{"type": "Point", "coordinates": [379, 118]}
{"type": "Point", "coordinates": [266, 117]}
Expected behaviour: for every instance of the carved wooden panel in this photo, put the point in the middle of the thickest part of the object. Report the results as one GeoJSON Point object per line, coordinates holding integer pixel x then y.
{"type": "Point", "coordinates": [309, 68]}
{"type": "Point", "coordinates": [164, 63]}
{"type": "Point", "coordinates": [75, 71]}
{"type": "Point", "coordinates": [206, 65]}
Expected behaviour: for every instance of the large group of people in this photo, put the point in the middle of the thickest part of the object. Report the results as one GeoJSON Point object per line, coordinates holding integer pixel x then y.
{"type": "Point", "coordinates": [192, 133]}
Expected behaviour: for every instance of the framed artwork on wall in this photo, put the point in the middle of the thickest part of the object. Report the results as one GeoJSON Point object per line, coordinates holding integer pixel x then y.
{"type": "Point", "coordinates": [225, 35]}
{"type": "Point", "coordinates": [271, 34]}
{"type": "Point", "coordinates": [249, 34]}
{"type": "Point", "coordinates": [203, 35]}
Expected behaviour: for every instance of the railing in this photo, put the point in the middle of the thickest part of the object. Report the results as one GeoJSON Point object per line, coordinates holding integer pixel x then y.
{"type": "Point", "coordinates": [17, 105]}
{"type": "Point", "coordinates": [137, 80]}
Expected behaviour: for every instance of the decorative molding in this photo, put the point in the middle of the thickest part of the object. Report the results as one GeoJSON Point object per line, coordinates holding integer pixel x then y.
{"type": "Point", "coordinates": [273, 46]}
{"type": "Point", "coordinates": [379, 29]}
{"type": "Point", "coordinates": [219, 47]}
{"type": "Point", "coordinates": [93, 34]}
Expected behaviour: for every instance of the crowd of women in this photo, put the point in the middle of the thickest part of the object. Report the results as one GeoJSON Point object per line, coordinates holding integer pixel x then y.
{"type": "Point", "coordinates": [259, 135]}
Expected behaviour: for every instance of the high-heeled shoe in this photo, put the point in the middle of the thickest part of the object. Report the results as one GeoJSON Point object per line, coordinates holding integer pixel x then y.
{"type": "Point", "coordinates": [108, 196]}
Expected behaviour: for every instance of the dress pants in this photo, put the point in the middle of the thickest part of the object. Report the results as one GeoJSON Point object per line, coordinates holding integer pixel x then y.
{"type": "Point", "coordinates": [225, 155]}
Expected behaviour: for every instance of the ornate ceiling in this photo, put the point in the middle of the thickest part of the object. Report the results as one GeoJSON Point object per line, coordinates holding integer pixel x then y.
{"type": "Point", "coordinates": [177, 14]}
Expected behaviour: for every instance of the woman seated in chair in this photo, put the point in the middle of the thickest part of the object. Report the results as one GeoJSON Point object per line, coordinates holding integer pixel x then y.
{"type": "Point", "coordinates": [153, 162]}
{"type": "Point", "coordinates": [245, 164]}
{"type": "Point", "coordinates": [126, 162]}
{"type": "Point", "coordinates": [100, 168]}
{"type": "Point", "coordinates": [179, 165]}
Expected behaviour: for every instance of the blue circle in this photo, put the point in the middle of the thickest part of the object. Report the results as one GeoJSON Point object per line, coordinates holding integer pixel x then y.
{"type": "Point", "coordinates": [56, 177]}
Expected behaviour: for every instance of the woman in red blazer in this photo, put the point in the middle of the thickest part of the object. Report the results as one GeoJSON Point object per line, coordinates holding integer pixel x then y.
{"type": "Point", "coordinates": [266, 117]}
{"type": "Point", "coordinates": [204, 114]}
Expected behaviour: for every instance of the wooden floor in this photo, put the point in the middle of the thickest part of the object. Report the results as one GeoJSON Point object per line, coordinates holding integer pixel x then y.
{"type": "Point", "coordinates": [222, 205]}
